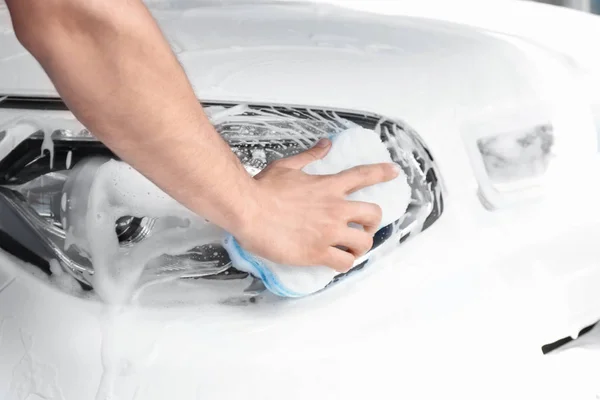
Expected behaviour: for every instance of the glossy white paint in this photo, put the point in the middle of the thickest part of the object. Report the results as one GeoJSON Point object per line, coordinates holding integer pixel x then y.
{"type": "Point", "coordinates": [460, 311]}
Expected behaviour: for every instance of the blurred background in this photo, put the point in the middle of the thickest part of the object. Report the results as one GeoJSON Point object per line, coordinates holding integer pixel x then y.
{"type": "Point", "coordinates": [592, 6]}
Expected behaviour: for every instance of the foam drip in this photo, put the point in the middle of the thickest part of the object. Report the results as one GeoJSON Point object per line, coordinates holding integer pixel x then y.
{"type": "Point", "coordinates": [69, 159]}
{"type": "Point", "coordinates": [99, 193]}
{"type": "Point", "coordinates": [22, 127]}
{"type": "Point", "coordinates": [117, 190]}
{"type": "Point", "coordinates": [48, 145]}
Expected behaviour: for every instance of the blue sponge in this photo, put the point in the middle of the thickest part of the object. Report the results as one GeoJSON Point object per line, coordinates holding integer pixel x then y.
{"type": "Point", "coordinates": [353, 147]}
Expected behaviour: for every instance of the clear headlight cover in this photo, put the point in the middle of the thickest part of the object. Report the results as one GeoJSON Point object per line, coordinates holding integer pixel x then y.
{"type": "Point", "coordinates": [41, 145]}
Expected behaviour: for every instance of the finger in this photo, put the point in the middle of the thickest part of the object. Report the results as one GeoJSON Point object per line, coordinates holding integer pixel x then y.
{"type": "Point", "coordinates": [301, 160]}
{"type": "Point", "coordinates": [362, 176]}
{"type": "Point", "coordinates": [356, 241]}
{"type": "Point", "coordinates": [366, 214]}
{"type": "Point", "coordinates": [340, 260]}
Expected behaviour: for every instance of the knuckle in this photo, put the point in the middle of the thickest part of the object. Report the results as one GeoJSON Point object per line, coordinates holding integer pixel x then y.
{"type": "Point", "coordinates": [365, 244]}
{"type": "Point", "coordinates": [314, 254]}
{"type": "Point", "coordinates": [363, 171]}
{"type": "Point", "coordinates": [371, 230]}
{"type": "Point", "coordinates": [344, 213]}
{"type": "Point", "coordinates": [372, 212]}
{"type": "Point", "coordinates": [347, 263]}
{"type": "Point", "coordinates": [336, 211]}
{"type": "Point", "coordinates": [331, 232]}
{"type": "Point", "coordinates": [334, 233]}
{"type": "Point", "coordinates": [318, 252]}
{"type": "Point", "coordinates": [312, 153]}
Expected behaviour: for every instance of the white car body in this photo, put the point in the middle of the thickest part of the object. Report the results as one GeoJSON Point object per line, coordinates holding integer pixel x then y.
{"type": "Point", "coordinates": [460, 311]}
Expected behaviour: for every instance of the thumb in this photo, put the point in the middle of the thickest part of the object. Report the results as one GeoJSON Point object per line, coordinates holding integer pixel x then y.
{"type": "Point", "coordinates": [299, 161]}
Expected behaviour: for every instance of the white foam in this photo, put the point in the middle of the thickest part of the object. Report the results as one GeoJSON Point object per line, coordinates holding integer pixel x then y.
{"type": "Point", "coordinates": [99, 192]}
{"type": "Point", "coordinates": [48, 144]}
{"type": "Point", "coordinates": [69, 159]}
{"type": "Point", "coordinates": [113, 190]}
{"type": "Point", "coordinates": [64, 281]}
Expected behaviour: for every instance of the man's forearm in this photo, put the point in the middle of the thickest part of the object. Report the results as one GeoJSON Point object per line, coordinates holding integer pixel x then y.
{"type": "Point", "coordinates": [112, 66]}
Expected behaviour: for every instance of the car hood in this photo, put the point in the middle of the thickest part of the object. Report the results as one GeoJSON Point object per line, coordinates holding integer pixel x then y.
{"type": "Point", "coordinates": [409, 60]}
{"type": "Point", "coordinates": [219, 41]}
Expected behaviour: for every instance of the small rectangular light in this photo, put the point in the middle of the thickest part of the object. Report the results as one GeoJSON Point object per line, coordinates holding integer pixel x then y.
{"type": "Point", "coordinates": [511, 152]}
{"type": "Point", "coordinates": [517, 156]}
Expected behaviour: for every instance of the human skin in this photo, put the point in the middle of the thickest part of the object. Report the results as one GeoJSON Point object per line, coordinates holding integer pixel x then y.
{"type": "Point", "coordinates": [116, 72]}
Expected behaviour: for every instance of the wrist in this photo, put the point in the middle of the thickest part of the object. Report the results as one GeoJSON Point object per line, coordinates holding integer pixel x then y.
{"type": "Point", "coordinates": [231, 201]}
{"type": "Point", "coordinates": [244, 210]}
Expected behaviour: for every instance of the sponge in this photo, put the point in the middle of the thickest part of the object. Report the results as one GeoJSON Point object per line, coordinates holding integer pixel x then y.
{"type": "Point", "coordinates": [350, 148]}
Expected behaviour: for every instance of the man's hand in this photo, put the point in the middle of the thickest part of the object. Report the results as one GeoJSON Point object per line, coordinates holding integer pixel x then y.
{"type": "Point", "coordinates": [300, 219]}
{"type": "Point", "coordinates": [111, 64]}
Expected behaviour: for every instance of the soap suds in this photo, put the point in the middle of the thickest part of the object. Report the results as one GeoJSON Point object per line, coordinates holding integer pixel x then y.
{"type": "Point", "coordinates": [64, 280]}
{"type": "Point", "coordinates": [100, 193]}
{"type": "Point", "coordinates": [117, 190]}
{"type": "Point", "coordinates": [20, 126]}
{"type": "Point", "coordinates": [69, 159]}
{"type": "Point", "coordinates": [48, 145]}
{"type": "Point", "coordinates": [63, 203]}
{"type": "Point", "coordinates": [32, 377]}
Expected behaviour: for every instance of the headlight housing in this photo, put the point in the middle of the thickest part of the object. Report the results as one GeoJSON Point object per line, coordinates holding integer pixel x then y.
{"type": "Point", "coordinates": [41, 144]}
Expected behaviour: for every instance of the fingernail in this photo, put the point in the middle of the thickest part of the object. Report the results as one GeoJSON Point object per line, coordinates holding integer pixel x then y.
{"type": "Point", "coordinates": [322, 143]}
{"type": "Point", "coordinates": [397, 169]}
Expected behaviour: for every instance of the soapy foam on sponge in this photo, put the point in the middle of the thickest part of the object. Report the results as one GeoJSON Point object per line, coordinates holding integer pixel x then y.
{"type": "Point", "coordinates": [353, 147]}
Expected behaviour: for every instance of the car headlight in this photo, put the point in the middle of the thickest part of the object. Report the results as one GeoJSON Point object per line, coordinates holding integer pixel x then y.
{"type": "Point", "coordinates": [42, 146]}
